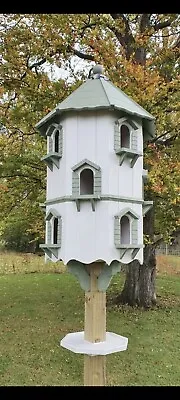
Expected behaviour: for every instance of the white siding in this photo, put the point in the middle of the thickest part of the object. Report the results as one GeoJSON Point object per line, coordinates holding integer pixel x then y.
{"type": "Point", "coordinates": [88, 235]}
{"type": "Point", "coordinates": [91, 136]}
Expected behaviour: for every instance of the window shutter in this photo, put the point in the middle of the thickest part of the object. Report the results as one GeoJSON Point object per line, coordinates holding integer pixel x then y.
{"type": "Point", "coordinates": [50, 144]}
{"type": "Point", "coordinates": [60, 141]}
{"type": "Point", "coordinates": [97, 182]}
{"type": "Point", "coordinates": [75, 184]}
{"type": "Point", "coordinates": [59, 231]}
{"type": "Point", "coordinates": [134, 231]}
{"type": "Point", "coordinates": [117, 235]}
{"type": "Point", "coordinates": [117, 143]}
{"type": "Point", "coordinates": [134, 140]}
{"type": "Point", "coordinates": [49, 232]}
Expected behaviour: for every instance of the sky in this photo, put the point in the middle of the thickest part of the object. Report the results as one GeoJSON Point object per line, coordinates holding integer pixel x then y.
{"type": "Point", "coordinates": [54, 72]}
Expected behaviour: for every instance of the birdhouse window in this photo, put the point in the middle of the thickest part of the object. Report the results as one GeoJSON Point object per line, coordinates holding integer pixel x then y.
{"type": "Point", "coordinates": [125, 230]}
{"type": "Point", "coordinates": [56, 142]}
{"type": "Point", "coordinates": [126, 140]}
{"type": "Point", "coordinates": [54, 145]}
{"type": "Point", "coordinates": [55, 230]}
{"type": "Point", "coordinates": [125, 136]}
{"type": "Point", "coordinates": [53, 233]}
{"type": "Point", "coordinates": [86, 181]}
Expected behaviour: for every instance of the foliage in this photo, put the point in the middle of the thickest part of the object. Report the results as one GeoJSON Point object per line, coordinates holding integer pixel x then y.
{"type": "Point", "coordinates": [17, 234]}
{"type": "Point", "coordinates": [140, 54]}
{"type": "Point", "coordinates": [26, 97]}
{"type": "Point", "coordinates": [164, 184]}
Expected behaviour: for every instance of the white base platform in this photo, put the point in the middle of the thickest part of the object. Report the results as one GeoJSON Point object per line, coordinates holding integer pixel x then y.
{"type": "Point", "coordinates": [76, 343]}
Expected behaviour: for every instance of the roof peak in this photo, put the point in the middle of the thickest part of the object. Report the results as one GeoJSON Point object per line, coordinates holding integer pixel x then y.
{"type": "Point", "coordinates": [96, 72]}
{"type": "Point", "coordinates": [98, 92]}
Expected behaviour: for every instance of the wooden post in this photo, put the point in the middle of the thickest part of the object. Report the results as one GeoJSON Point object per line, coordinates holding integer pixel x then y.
{"type": "Point", "coordinates": [95, 329]}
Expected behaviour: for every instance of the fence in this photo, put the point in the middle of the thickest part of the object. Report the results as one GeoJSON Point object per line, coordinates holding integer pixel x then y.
{"type": "Point", "coordinates": [168, 250]}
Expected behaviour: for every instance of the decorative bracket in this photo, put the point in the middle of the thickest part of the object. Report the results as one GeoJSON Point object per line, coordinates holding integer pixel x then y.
{"type": "Point", "coordinates": [77, 204]}
{"type": "Point", "coordinates": [133, 247]}
{"type": "Point", "coordinates": [122, 252]}
{"type": "Point", "coordinates": [122, 157]}
{"type": "Point", "coordinates": [147, 205]}
{"type": "Point", "coordinates": [91, 198]}
{"type": "Point", "coordinates": [134, 252]}
{"type": "Point", "coordinates": [80, 272]}
{"type": "Point", "coordinates": [106, 275]}
{"type": "Point", "coordinates": [124, 152]}
{"type": "Point", "coordinates": [93, 204]}
{"type": "Point", "coordinates": [103, 280]}
{"type": "Point", "coordinates": [52, 158]}
{"type": "Point", "coordinates": [134, 159]}
{"type": "Point", "coordinates": [50, 249]}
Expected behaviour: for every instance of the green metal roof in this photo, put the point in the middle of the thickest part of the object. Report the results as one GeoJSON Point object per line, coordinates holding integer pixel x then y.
{"type": "Point", "coordinates": [100, 94]}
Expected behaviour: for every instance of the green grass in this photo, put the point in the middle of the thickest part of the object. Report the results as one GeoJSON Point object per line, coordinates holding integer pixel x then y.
{"type": "Point", "coordinates": [40, 307]}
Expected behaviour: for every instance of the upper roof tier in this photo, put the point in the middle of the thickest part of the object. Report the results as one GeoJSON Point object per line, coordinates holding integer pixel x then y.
{"type": "Point", "coordinates": [100, 94]}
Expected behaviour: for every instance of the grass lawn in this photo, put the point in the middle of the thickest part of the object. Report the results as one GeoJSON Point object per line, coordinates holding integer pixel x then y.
{"type": "Point", "coordinates": [41, 303]}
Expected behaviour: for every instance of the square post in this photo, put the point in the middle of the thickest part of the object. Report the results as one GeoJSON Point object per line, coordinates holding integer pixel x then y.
{"type": "Point", "coordinates": [95, 328]}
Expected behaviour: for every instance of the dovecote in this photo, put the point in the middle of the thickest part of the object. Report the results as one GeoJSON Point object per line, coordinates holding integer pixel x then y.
{"type": "Point", "coordinates": [95, 176]}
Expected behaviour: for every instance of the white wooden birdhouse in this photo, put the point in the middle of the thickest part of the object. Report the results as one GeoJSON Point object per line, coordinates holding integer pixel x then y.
{"type": "Point", "coordinates": [95, 203]}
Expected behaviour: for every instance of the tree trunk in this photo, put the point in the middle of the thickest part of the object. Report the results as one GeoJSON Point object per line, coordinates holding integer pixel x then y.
{"type": "Point", "coordinates": [139, 286]}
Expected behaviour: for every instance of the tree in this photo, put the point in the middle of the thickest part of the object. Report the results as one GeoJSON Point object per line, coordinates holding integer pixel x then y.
{"type": "Point", "coordinates": [27, 94]}
{"type": "Point", "coordinates": [139, 53]}
{"type": "Point", "coordinates": [142, 50]}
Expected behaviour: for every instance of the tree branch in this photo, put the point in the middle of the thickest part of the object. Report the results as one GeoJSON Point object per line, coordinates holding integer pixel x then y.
{"type": "Point", "coordinates": [79, 54]}
{"type": "Point", "coordinates": [144, 22]}
{"type": "Point", "coordinates": [159, 137]}
{"type": "Point", "coordinates": [34, 65]}
{"type": "Point", "coordinates": [116, 16]}
{"type": "Point", "coordinates": [168, 141]}
{"type": "Point", "coordinates": [35, 166]}
{"type": "Point", "coordinates": [38, 63]}
{"type": "Point", "coordinates": [87, 25]}
{"type": "Point", "coordinates": [140, 53]}
{"type": "Point", "coordinates": [22, 176]}
{"type": "Point", "coordinates": [9, 103]}
{"type": "Point", "coordinates": [161, 25]}
{"type": "Point", "coordinates": [177, 43]}
{"type": "Point", "coordinates": [126, 40]}
{"type": "Point", "coordinates": [41, 62]}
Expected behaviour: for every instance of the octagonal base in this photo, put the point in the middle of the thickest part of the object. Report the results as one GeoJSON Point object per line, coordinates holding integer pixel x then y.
{"type": "Point", "coordinates": [76, 343]}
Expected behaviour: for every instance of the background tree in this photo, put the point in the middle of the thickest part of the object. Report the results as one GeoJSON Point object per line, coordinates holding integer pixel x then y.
{"type": "Point", "coordinates": [140, 54]}
{"type": "Point", "coordinates": [27, 93]}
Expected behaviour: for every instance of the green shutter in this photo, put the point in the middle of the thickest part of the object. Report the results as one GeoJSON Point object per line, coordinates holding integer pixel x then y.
{"type": "Point", "coordinates": [49, 232]}
{"type": "Point", "coordinates": [75, 184]}
{"type": "Point", "coordinates": [60, 141]}
{"type": "Point", "coordinates": [134, 140]}
{"type": "Point", "coordinates": [97, 182]}
{"type": "Point", "coordinates": [59, 231]}
{"type": "Point", "coordinates": [134, 231]}
{"type": "Point", "coordinates": [50, 144]}
{"type": "Point", "coordinates": [117, 143]}
{"type": "Point", "coordinates": [117, 234]}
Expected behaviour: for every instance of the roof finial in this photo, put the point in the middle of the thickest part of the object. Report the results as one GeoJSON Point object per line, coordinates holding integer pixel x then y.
{"type": "Point", "coordinates": [96, 72]}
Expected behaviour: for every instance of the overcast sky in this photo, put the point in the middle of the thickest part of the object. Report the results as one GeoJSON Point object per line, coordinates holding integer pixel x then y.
{"type": "Point", "coordinates": [54, 72]}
